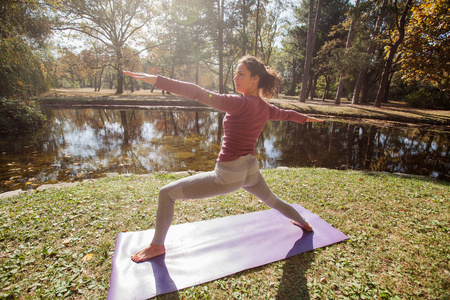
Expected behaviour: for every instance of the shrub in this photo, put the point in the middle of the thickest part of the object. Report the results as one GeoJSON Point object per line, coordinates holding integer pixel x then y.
{"type": "Point", "coordinates": [21, 70]}
{"type": "Point", "coordinates": [428, 97]}
{"type": "Point", "coordinates": [16, 115]}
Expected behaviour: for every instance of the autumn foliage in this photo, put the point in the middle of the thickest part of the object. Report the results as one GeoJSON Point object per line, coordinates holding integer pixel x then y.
{"type": "Point", "coordinates": [425, 54]}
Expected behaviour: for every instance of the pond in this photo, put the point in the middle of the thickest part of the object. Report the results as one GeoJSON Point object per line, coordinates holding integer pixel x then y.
{"type": "Point", "coordinates": [80, 143]}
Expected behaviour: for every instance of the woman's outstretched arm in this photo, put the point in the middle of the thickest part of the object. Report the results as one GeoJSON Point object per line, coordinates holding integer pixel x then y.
{"type": "Point", "coordinates": [311, 119]}
{"type": "Point", "coordinates": [150, 79]}
{"type": "Point", "coordinates": [279, 114]}
{"type": "Point", "coordinates": [227, 103]}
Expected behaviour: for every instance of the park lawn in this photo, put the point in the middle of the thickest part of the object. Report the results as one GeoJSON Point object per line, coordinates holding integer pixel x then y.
{"type": "Point", "coordinates": [59, 243]}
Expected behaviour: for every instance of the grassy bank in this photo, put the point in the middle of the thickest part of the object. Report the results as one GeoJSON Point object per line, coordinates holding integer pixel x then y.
{"type": "Point", "coordinates": [58, 243]}
{"type": "Point", "coordinates": [392, 111]}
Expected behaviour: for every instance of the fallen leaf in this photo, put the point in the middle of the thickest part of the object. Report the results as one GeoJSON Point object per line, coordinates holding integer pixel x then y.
{"type": "Point", "coordinates": [88, 257]}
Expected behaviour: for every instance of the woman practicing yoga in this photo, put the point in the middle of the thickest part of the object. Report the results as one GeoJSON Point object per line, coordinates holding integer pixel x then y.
{"type": "Point", "coordinates": [237, 166]}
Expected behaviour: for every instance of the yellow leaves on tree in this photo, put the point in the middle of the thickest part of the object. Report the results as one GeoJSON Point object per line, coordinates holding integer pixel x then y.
{"type": "Point", "coordinates": [425, 54]}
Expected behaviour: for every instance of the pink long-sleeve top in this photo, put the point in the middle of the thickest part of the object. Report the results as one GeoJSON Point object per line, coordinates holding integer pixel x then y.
{"type": "Point", "coordinates": [244, 120]}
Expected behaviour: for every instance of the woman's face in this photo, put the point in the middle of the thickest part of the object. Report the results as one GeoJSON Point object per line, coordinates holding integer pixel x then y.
{"type": "Point", "coordinates": [245, 83]}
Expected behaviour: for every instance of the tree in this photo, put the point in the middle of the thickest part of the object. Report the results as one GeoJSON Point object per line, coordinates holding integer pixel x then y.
{"type": "Point", "coordinates": [373, 35]}
{"type": "Point", "coordinates": [197, 33]}
{"type": "Point", "coordinates": [244, 8]}
{"type": "Point", "coordinates": [257, 25]}
{"type": "Point", "coordinates": [329, 60]}
{"type": "Point", "coordinates": [400, 26]}
{"type": "Point", "coordinates": [24, 28]}
{"type": "Point", "coordinates": [221, 23]}
{"type": "Point", "coordinates": [269, 29]}
{"type": "Point", "coordinates": [425, 54]}
{"type": "Point", "coordinates": [182, 37]}
{"type": "Point", "coordinates": [72, 69]}
{"type": "Point", "coordinates": [311, 40]}
{"type": "Point", "coordinates": [220, 46]}
{"type": "Point", "coordinates": [332, 12]}
{"type": "Point", "coordinates": [347, 46]}
{"type": "Point", "coordinates": [293, 58]}
{"type": "Point", "coordinates": [211, 35]}
{"type": "Point", "coordinates": [112, 22]}
{"type": "Point", "coordinates": [96, 58]}
{"type": "Point", "coordinates": [133, 62]}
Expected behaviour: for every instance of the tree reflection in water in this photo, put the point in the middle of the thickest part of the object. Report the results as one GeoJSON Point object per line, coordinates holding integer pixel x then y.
{"type": "Point", "coordinates": [86, 143]}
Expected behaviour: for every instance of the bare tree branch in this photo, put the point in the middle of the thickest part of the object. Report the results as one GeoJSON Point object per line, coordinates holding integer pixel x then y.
{"type": "Point", "coordinates": [112, 22]}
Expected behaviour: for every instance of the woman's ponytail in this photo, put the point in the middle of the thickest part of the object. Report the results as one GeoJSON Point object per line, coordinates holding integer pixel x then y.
{"type": "Point", "coordinates": [269, 79]}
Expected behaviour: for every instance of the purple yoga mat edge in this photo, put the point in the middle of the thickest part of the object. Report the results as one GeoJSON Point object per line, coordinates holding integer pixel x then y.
{"type": "Point", "coordinates": [112, 283]}
{"type": "Point", "coordinates": [302, 242]}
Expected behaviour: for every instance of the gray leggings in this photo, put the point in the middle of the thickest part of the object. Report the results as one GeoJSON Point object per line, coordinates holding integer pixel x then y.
{"type": "Point", "coordinates": [227, 177]}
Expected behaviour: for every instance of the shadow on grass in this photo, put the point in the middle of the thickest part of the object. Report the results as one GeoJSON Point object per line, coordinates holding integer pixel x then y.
{"type": "Point", "coordinates": [294, 284]}
{"type": "Point", "coordinates": [170, 296]}
{"type": "Point", "coordinates": [404, 115]}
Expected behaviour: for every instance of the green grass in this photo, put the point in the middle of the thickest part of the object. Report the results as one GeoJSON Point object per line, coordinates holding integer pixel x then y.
{"type": "Point", "coordinates": [58, 243]}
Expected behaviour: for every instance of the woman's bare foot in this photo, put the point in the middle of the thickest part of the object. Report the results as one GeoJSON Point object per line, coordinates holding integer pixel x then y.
{"type": "Point", "coordinates": [306, 226]}
{"type": "Point", "coordinates": [149, 252]}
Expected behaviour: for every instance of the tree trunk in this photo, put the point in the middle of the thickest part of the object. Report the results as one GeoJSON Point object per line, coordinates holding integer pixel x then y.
{"type": "Point", "coordinates": [308, 55]}
{"type": "Point", "coordinates": [100, 79]}
{"type": "Point", "coordinates": [126, 128]}
{"type": "Point", "coordinates": [350, 142]}
{"type": "Point", "coordinates": [197, 125]}
{"type": "Point", "coordinates": [347, 46]}
{"type": "Point", "coordinates": [365, 89]}
{"type": "Point", "coordinates": [388, 86]}
{"type": "Point", "coordinates": [257, 27]}
{"type": "Point", "coordinates": [197, 71]}
{"type": "Point", "coordinates": [384, 84]}
{"type": "Point", "coordinates": [370, 145]}
{"type": "Point", "coordinates": [332, 139]}
{"type": "Point", "coordinates": [244, 28]}
{"type": "Point", "coordinates": [314, 85]}
{"type": "Point", "coordinates": [119, 89]}
{"type": "Point", "coordinates": [294, 77]}
{"type": "Point", "coordinates": [327, 87]}
{"type": "Point", "coordinates": [363, 72]}
{"type": "Point", "coordinates": [220, 45]}
{"type": "Point", "coordinates": [310, 89]}
{"type": "Point", "coordinates": [311, 39]}
{"type": "Point", "coordinates": [359, 82]}
{"type": "Point", "coordinates": [337, 101]}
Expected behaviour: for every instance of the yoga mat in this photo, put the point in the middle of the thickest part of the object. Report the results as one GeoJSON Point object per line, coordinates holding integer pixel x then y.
{"type": "Point", "coordinates": [207, 250]}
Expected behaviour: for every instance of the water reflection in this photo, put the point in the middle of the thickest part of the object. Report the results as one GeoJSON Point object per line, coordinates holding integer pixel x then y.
{"type": "Point", "coordinates": [344, 145]}
{"type": "Point", "coordinates": [86, 143]}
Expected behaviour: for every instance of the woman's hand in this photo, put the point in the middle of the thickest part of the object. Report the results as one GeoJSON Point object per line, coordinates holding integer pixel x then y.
{"type": "Point", "coordinates": [311, 119]}
{"type": "Point", "coordinates": [150, 79]}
